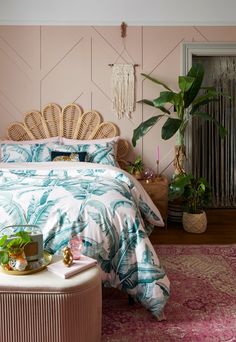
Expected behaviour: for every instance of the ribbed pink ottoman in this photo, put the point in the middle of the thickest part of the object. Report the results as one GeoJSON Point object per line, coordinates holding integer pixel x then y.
{"type": "Point", "coordinates": [43, 307]}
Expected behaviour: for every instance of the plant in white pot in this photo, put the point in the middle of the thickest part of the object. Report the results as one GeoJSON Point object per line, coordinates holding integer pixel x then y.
{"type": "Point", "coordinates": [195, 194]}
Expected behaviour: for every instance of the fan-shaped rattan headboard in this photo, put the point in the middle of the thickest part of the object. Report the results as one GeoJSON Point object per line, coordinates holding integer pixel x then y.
{"type": "Point", "coordinates": [70, 122]}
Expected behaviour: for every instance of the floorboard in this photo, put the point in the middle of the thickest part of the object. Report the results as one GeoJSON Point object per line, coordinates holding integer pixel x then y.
{"type": "Point", "coordinates": [221, 229]}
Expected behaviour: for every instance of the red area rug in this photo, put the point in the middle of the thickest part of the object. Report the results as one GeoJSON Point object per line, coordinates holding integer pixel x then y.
{"type": "Point", "coordinates": [202, 306]}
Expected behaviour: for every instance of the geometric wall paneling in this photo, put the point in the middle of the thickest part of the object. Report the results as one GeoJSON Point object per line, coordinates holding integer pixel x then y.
{"type": "Point", "coordinates": [69, 64]}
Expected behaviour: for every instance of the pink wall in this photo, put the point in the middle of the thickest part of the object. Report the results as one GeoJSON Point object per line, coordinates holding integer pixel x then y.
{"type": "Point", "coordinates": [64, 64]}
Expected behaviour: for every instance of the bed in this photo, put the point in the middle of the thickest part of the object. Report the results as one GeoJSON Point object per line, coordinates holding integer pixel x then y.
{"type": "Point", "coordinates": [60, 170]}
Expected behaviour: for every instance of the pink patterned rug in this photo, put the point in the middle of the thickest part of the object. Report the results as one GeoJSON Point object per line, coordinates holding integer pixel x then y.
{"type": "Point", "coordinates": [202, 306]}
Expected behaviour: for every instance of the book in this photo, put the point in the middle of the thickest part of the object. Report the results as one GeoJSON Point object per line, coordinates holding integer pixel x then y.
{"type": "Point", "coordinates": [76, 267]}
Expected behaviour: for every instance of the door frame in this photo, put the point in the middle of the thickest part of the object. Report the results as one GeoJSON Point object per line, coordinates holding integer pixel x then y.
{"type": "Point", "coordinates": [201, 49]}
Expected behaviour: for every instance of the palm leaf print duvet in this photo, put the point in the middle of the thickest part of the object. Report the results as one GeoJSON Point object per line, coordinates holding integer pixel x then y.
{"type": "Point", "coordinates": [106, 205]}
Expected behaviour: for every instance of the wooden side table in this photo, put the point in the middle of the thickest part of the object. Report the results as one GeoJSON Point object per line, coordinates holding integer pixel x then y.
{"type": "Point", "coordinates": [157, 189]}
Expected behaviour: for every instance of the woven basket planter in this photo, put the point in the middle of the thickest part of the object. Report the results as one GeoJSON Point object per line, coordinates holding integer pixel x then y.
{"type": "Point", "coordinates": [194, 223]}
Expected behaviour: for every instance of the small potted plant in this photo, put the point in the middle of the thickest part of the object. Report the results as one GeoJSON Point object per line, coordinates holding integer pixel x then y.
{"type": "Point", "coordinates": [136, 168]}
{"type": "Point", "coordinates": [195, 194]}
{"type": "Point", "coordinates": [12, 256]}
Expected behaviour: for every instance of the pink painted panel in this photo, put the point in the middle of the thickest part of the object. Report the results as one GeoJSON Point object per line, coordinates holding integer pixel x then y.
{"type": "Point", "coordinates": [65, 64]}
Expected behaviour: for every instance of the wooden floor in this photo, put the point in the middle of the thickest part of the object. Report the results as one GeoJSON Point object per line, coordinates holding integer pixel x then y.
{"type": "Point", "coordinates": [221, 229]}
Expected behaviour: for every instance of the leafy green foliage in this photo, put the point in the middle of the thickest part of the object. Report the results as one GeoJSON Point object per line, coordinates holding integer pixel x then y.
{"type": "Point", "coordinates": [170, 127]}
{"type": "Point", "coordinates": [194, 192]}
{"type": "Point", "coordinates": [9, 244]}
{"type": "Point", "coordinates": [144, 127]}
{"type": "Point", "coordinates": [137, 165]}
{"type": "Point", "coordinates": [186, 104]}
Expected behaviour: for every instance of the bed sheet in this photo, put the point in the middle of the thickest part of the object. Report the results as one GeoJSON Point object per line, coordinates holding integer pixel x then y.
{"type": "Point", "coordinates": [107, 206]}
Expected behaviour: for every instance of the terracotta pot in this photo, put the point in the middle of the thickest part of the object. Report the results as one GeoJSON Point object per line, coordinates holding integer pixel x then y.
{"type": "Point", "coordinates": [195, 223]}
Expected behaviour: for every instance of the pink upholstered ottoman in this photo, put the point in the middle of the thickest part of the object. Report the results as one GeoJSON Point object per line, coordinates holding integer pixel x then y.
{"type": "Point", "coordinates": [43, 307]}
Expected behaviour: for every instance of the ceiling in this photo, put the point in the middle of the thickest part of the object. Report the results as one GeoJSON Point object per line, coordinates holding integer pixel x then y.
{"type": "Point", "coordinates": [113, 12]}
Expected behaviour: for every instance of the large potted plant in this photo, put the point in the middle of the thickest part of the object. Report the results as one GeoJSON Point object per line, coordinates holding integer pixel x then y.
{"type": "Point", "coordinates": [195, 194]}
{"type": "Point", "coordinates": [186, 104]}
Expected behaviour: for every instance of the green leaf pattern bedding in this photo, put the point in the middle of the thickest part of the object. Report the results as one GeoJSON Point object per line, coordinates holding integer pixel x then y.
{"type": "Point", "coordinates": [106, 205]}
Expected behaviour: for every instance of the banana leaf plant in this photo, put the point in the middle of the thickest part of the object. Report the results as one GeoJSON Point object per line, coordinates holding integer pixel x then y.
{"type": "Point", "coordinates": [185, 105]}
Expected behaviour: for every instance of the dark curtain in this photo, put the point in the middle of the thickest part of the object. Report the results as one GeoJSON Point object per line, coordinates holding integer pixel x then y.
{"type": "Point", "coordinates": [212, 157]}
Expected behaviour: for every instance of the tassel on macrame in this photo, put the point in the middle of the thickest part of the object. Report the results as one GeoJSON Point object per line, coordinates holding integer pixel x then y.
{"type": "Point", "coordinates": [123, 89]}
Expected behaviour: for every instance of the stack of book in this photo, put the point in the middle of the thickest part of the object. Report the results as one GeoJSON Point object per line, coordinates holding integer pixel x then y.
{"type": "Point", "coordinates": [77, 266]}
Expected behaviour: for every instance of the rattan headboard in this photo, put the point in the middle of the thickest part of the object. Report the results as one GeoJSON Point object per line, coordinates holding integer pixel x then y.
{"type": "Point", "coordinates": [70, 122]}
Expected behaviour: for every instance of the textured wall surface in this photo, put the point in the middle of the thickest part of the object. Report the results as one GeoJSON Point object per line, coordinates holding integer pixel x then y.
{"type": "Point", "coordinates": [64, 64]}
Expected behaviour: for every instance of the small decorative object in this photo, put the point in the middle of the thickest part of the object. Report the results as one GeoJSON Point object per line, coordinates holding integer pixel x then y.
{"type": "Point", "coordinates": [67, 256]}
{"type": "Point", "coordinates": [12, 254]}
{"type": "Point", "coordinates": [77, 267]}
{"type": "Point", "coordinates": [34, 249]}
{"type": "Point", "coordinates": [123, 82]}
{"type": "Point", "coordinates": [76, 244]}
{"type": "Point", "coordinates": [17, 260]}
{"type": "Point", "coordinates": [148, 175]}
{"type": "Point", "coordinates": [123, 89]}
{"type": "Point", "coordinates": [194, 194]}
{"type": "Point", "coordinates": [136, 168]}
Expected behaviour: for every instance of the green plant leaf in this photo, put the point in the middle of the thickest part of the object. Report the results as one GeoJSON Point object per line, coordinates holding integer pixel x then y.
{"type": "Point", "coordinates": [156, 81]}
{"type": "Point", "coordinates": [177, 185]}
{"type": "Point", "coordinates": [170, 127]}
{"type": "Point", "coordinates": [4, 257]}
{"type": "Point", "coordinates": [21, 239]}
{"type": "Point", "coordinates": [144, 127]}
{"type": "Point", "coordinates": [150, 103]}
{"type": "Point", "coordinates": [197, 72]}
{"type": "Point", "coordinates": [204, 99]}
{"type": "Point", "coordinates": [164, 98]}
{"type": "Point", "coordinates": [195, 108]}
{"type": "Point", "coordinates": [147, 102]}
{"type": "Point", "coordinates": [222, 130]}
{"type": "Point", "coordinates": [163, 109]}
{"type": "Point", "coordinates": [3, 240]}
{"type": "Point", "coordinates": [185, 82]}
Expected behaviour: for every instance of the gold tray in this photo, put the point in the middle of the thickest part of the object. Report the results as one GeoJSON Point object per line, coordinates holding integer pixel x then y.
{"type": "Point", "coordinates": [34, 266]}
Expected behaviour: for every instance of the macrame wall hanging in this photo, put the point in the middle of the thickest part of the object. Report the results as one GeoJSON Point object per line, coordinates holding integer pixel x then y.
{"type": "Point", "coordinates": [123, 83]}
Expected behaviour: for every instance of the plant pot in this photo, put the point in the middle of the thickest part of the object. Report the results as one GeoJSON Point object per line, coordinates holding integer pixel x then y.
{"type": "Point", "coordinates": [137, 175]}
{"type": "Point", "coordinates": [195, 223]}
{"type": "Point", "coordinates": [175, 211]}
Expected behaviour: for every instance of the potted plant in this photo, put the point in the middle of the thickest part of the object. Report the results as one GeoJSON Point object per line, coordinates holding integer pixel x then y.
{"type": "Point", "coordinates": [12, 255]}
{"type": "Point", "coordinates": [185, 106]}
{"type": "Point", "coordinates": [136, 168]}
{"type": "Point", "coordinates": [195, 194]}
